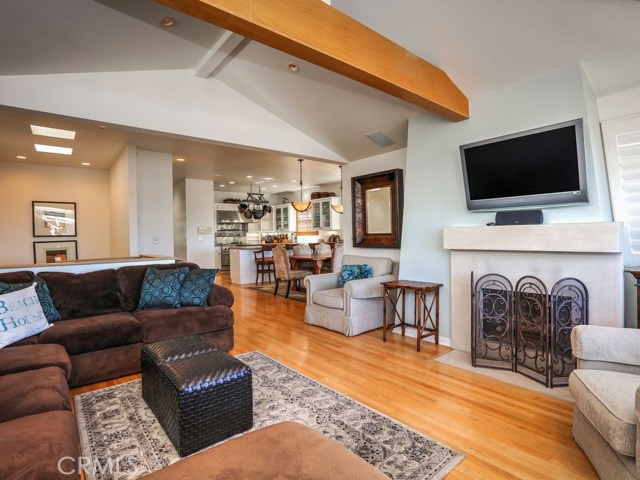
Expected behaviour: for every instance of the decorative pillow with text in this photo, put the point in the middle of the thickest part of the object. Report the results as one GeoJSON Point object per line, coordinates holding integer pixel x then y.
{"type": "Point", "coordinates": [44, 296]}
{"type": "Point", "coordinates": [20, 315]}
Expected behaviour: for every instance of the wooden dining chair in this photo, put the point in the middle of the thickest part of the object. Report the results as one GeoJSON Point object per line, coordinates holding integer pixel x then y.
{"type": "Point", "coordinates": [264, 263]}
{"type": "Point", "coordinates": [283, 270]}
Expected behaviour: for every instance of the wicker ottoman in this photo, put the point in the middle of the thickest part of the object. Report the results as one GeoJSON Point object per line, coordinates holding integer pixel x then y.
{"type": "Point", "coordinates": [200, 395]}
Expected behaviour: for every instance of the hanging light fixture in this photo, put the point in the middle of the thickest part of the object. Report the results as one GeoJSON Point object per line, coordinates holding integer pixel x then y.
{"type": "Point", "coordinates": [339, 208]}
{"type": "Point", "coordinates": [301, 206]}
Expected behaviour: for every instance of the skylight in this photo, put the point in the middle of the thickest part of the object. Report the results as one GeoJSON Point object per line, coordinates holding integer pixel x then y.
{"type": "Point", "coordinates": [53, 149]}
{"type": "Point", "coordinates": [53, 132]}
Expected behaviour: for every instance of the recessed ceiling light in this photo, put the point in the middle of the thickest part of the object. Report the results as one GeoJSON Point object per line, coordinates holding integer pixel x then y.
{"type": "Point", "coordinates": [232, 183]}
{"type": "Point", "coordinates": [222, 186]}
{"type": "Point", "coordinates": [21, 157]}
{"type": "Point", "coordinates": [294, 67]}
{"type": "Point", "coordinates": [179, 159]}
{"type": "Point", "coordinates": [268, 179]}
{"type": "Point", "coordinates": [249, 176]}
{"type": "Point", "coordinates": [86, 164]}
{"type": "Point", "coordinates": [167, 22]}
{"type": "Point", "coordinates": [102, 127]}
{"type": "Point", "coordinates": [53, 132]}
{"type": "Point", "coordinates": [274, 186]}
{"type": "Point", "coordinates": [53, 149]}
{"type": "Point", "coordinates": [294, 181]}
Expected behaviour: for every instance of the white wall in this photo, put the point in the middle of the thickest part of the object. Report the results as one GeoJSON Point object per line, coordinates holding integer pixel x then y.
{"type": "Point", "coordinates": [378, 163]}
{"type": "Point", "coordinates": [123, 216]}
{"type": "Point", "coordinates": [179, 221]}
{"type": "Point", "coordinates": [154, 181]}
{"type": "Point", "coordinates": [23, 183]}
{"type": "Point", "coordinates": [199, 213]}
{"type": "Point", "coordinates": [434, 191]}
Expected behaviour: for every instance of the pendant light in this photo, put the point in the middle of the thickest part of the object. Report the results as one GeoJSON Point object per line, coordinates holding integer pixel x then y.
{"type": "Point", "coordinates": [339, 208]}
{"type": "Point", "coordinates": [301, 206]}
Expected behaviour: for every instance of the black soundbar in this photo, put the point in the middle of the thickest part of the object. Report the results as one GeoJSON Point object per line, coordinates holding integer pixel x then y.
{"type": "Point", "coordinates": [519, 217]}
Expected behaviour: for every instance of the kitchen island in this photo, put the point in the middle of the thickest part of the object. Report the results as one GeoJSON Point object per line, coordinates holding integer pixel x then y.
{"type": "Point", "coordinates": [243, 262]}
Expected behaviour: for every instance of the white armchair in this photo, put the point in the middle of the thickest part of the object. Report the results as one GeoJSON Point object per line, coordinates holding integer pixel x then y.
{"type": "Point", "coordinates": [357, 307]}
{"type": "Point", "coordinates": [606, 388]}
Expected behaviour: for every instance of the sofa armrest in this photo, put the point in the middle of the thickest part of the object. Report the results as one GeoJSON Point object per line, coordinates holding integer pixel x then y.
{"type": "Point", "coordinates": [598, 347]}
{"type": "Point", "coordinates": [368, 287]}
{"type": "Point", "coordinates": [316, 283]}
{"type": "Point", "coordinates": [220, 295]}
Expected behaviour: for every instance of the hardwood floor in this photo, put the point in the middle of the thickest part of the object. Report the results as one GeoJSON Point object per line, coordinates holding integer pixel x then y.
{"type": "Point", "coordinates": [505, 431]}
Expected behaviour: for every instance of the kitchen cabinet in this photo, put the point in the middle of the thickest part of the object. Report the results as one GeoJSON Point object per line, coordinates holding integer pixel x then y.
{"type": "Point", "coordinates": [323, 216]}
{"type": "Point", "coordinates": [284, 218]}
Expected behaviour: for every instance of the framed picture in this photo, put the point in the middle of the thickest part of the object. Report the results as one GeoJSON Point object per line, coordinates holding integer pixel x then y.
{"type": "Point", "coordinates": [54, 219]}
{"type": "Point", "coordinates": [54, 252]}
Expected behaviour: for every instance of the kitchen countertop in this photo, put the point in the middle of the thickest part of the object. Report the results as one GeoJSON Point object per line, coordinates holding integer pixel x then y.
{"type": "Point", "coordinates": [253, 246]}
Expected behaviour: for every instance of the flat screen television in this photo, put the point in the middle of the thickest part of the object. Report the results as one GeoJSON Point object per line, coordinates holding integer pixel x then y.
{"type": "Point", "coordinates": [540, 167]}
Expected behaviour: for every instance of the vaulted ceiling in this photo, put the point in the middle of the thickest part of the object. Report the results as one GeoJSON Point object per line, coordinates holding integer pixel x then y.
{"type": "Point", "coordinates": [481, 45]}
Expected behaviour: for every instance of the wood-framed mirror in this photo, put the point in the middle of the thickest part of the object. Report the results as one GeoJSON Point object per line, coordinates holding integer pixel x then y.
{"type": "Point", "coordinates": [377, 201]}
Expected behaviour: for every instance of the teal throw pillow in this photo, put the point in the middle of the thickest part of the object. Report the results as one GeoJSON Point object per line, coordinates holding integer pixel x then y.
{"type": "Point", "coordinates": [354, 272]}
{"type": "Point", "coordinates": [44, 296]}
{"type": "Point", "coordinates": [196, 287]}
{"type": "Point", "coordinates": [161, 288]}
{"type": "Point", "coordinates": [20, 315]}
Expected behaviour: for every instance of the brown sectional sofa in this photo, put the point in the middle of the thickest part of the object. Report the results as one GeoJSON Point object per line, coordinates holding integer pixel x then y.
{"type": "Point", "coordinates": [103, 332]}
{"type": "Point", "coordinates": [37, 427]}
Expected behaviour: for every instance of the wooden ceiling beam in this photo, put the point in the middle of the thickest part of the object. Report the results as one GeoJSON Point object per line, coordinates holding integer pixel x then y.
{"type": "Point", "coordinates": [320, 34]}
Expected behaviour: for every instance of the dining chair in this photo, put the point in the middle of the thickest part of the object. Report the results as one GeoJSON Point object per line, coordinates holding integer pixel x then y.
{"type": "Point", "coordinates": [264, 263]}
{"type": "Point", "coordinates": [322, 248]}
{"type": "Point", "coordinates": [283, 270]}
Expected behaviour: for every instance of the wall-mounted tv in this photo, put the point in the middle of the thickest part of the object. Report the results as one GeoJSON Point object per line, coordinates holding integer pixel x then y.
{"type": "Point", "coordinates": [540, 167]}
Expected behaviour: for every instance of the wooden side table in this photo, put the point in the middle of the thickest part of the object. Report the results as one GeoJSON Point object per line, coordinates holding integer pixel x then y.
{"type": "Point", "coordinates": [426, 308]}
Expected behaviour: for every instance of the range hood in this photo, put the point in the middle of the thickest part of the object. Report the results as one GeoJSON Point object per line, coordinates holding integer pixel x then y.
{"type": "Point", "coordinates": [227, 216]}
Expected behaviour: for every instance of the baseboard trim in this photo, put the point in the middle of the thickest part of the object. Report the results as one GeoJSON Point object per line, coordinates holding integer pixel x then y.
{"type": "Point", "coordinates": [413, 333]}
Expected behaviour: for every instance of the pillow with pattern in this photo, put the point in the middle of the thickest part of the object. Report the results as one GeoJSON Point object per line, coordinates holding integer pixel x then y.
{"type": "Point", "coordinates": [44, 296]}
{"type": "Point", "coordinates": [196, 287]}
{"type": "Point", "coordinates": [20, 315]}
{"type": "Point", "coordinates": [161, 288]}
{"type": "Point", "coordinates": [354, 272]}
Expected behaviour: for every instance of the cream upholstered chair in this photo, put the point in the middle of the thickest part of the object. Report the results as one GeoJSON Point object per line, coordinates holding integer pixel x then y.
{"type": "Point", "coordinates": [283, 269]}
{"type": "Point", "coordinates": [302, 249]}
{"type": "Point", "coordinates": [322, 248]}
{"type": "Point", "coordinates": [355, 308]}
{"type": "Point", "coordinates": [605, 386]}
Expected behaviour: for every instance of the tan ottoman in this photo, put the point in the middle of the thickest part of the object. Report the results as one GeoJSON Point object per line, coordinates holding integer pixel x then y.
{"type": "Point", "coordinates": [286, 451]}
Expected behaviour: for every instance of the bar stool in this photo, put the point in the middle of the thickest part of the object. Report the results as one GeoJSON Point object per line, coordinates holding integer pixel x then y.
{"type": "Point", "coordinates": [264, 263]}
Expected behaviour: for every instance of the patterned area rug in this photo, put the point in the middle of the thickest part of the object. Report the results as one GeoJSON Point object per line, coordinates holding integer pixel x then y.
{"type": "Point", "coordinates": [293, 294]}
{"type": "Point", "coordinates": [125, 441]}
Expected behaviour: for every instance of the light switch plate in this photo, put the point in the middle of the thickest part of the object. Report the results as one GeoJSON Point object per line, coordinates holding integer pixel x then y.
{"type": "Point", "coordinates": [205, 230]}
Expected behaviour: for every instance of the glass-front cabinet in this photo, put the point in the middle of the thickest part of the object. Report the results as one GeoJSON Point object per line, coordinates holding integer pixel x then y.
{"type": "Point", "coordinates": [324, 217]}
{"type": "Point", "coordinates": [284, 218]}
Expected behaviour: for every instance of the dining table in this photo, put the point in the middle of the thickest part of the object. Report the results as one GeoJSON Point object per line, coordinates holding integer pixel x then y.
{"type": "Point", "coordinates": [317, 260]}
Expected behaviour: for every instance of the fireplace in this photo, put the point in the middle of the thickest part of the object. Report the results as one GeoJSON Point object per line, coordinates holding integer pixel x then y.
{"type": "Point", "coordinates": [526, 329]}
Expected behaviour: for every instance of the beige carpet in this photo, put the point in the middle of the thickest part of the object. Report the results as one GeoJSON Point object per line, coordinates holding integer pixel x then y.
{"type": "Point", "coordinates": [460, 359]}
{"type": "Point", "coordinates": [293, 294]}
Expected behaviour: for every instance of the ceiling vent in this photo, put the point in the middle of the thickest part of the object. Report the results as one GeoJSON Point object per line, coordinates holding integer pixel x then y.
{"type": "Point", "coordinates": [381, 139]}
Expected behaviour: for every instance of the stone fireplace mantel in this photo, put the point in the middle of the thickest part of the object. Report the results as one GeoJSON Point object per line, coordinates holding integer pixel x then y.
{"type": "Point", "coordinates": [591, 252]}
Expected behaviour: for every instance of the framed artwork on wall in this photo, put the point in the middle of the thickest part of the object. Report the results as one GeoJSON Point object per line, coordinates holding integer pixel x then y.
{"type": "Point", "coordinates": [54, 219]}
{"type": "Point", "coordinates": [54, 252]}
